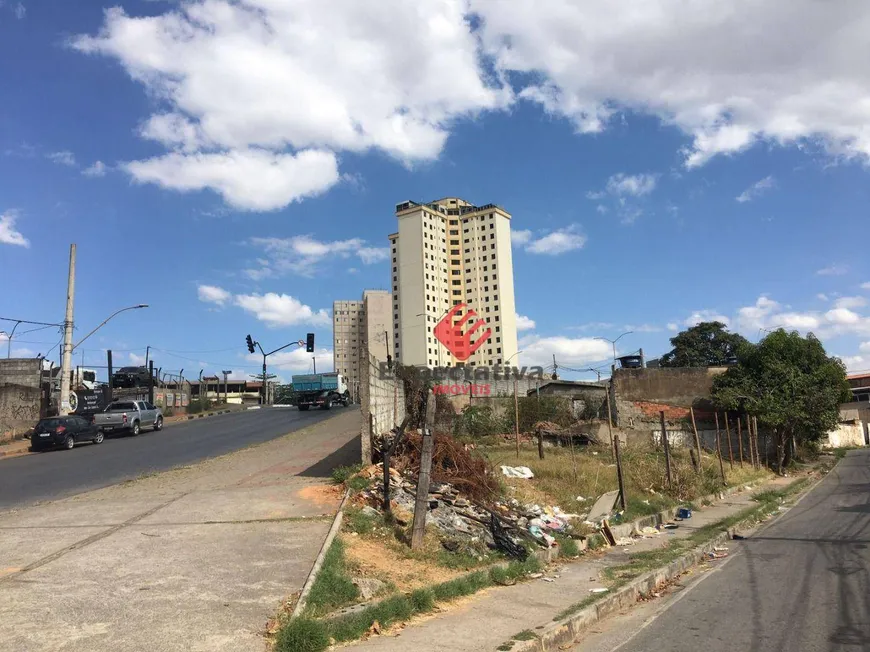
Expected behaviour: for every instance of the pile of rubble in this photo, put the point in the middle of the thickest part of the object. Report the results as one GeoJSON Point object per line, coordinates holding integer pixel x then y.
{"type": "Point", "coordinates": [461, 519]}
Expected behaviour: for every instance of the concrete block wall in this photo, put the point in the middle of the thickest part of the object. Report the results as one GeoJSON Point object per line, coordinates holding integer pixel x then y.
{"type": "Point", "coordinates": [382, 402]}
{"type": "Point", "coordinates": [20, 393]}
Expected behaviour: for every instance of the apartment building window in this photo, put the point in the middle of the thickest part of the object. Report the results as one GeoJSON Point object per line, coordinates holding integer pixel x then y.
{"type": "Point", "coordinates": [396, 278]}
{"type": "Point", "coordinates": [457, 292]}
{"type": "Point", "coordinates": [395, 269]}
{"type": "Point", "coordinates": [454, 252]}
{"type": "Point", "coordinates": [454, 242]}
{"type": "Point", "coordinates": [454, 272]}
{"type": "Point", "coordinates": [498, 339]}
{"type": "Point", "coordinates": [468, 251]}
{"type": "Point", "coordinates": [487, 308]}
{"type": "Point", "coordinates": [394, 259]}
{"type": "Point", "coordinates": [456, 282]}
{"type": "Point", "coordinates": [498, 329]}
{"type": "Point", "coordinates": [494, 288]}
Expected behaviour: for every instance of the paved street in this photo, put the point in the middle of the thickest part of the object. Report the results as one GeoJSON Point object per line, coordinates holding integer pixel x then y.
{"type": "Point", "coordinates": [195, 558]}
{"type": "Point", "coordinates": [54, 474]}
{"type": "Point", "coordinates": [800, 585]}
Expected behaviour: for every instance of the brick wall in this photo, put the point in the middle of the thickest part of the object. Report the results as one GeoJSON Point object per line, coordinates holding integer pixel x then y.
{"type": "Point", "coordinates": [382, 401]}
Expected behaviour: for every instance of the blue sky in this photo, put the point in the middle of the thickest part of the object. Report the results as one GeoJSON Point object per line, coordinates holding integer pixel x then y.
{"type": "Point", "coordinates": [236, 164]}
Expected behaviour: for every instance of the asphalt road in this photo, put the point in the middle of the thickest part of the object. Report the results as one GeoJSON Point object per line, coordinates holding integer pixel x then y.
{"type": "Point", "coordinates": [798, 585]}
{"type": "Point", "coordinates": [31, 478]}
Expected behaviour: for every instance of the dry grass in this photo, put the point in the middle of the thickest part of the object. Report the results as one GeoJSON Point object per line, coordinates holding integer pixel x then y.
{"type": "Point", "coordinates": [556, 482]}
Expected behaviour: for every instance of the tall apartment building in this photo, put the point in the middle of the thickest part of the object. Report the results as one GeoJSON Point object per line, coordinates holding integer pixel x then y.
{"type": "Point", "coordinates": [446, 253]}
{"type": "Point", "coordinates": [358, 327]}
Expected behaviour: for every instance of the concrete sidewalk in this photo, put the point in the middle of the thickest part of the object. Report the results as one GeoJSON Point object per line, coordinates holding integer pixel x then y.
{"type": "Point", "coordinates": [196, 558]}
{"type": "Point", "coordinates": [491, 618]}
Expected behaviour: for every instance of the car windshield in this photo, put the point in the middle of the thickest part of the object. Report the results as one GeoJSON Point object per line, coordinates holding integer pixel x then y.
{"type": "Point", "coordinates": [121, 406]}
{"type": "Point", "coordinates": [50, 423]}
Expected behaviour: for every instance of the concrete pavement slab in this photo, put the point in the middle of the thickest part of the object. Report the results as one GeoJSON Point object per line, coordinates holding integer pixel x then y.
{"type": "Point", "coordinates": [24, 546]}
{"type": "Point", "coordinates": [194, 558]}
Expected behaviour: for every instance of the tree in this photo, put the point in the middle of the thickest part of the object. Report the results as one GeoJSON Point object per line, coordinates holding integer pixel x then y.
{"type": "Point", "coordinates": [708, 344]}
{"type": "Point", "coordinates": [790, 384]}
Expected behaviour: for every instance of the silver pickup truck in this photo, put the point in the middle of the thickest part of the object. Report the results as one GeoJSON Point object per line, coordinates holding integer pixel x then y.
{"type": "Point", "coordinates": [129, 416]}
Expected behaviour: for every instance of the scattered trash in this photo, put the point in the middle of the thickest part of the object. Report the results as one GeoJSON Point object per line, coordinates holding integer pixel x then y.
{"type": "Point", "coordinates": [375, 628]}
{"type": "Point", "coordinates": [670, 526]}
{"type": "Point", "coordinates": [599, 589]}
{"type": "Point", "coordinates": [581, 499]}
{"type": "Point", "coordinates": [684, 513]}
{"type": "Point", "coordinates": [624, 541]}
{"type": "Point", "coordinates": [536, 576]}
{"type": "Point", "coordinates": [522, 472]}
{"type": "Point", "coordinates": [716, 555]}
{"type": "Point", "coordinates": [548, 579]}
{"type": "Point", "coordinates": [648, 532]}
{"type": "Point", "coordinates": [645, 502]}
{"type": "Point", "coordinates": [738, 537]}
{"type": "Point", "coordinates": [720, 548]}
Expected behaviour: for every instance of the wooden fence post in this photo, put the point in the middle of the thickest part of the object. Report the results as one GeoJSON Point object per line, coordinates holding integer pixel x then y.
{"type": "Point", "coordinates": [421, 506]}
{"type": "Point", "coordinates": [697, 439]}
{"type": "Point", "coordinates": [667, 447]}
{"type": "Point", "coordinates": [622, 499]}
{"type": "Point", "coordinates": [740, 439]}
{"type": "Point", "coordinates": [719, 449]}
{"type": "Point", "coordinates": [728, 434]}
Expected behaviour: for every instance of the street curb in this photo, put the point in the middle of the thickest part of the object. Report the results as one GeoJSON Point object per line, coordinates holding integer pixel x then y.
{"type": "Point", "coordinates": [318, 563]}
{"type": "Point", "coordinates": [565, 632]}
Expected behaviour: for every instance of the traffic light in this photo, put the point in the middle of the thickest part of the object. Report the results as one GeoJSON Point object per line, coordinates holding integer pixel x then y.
{"type": "Point", "coordinates": [250, 344]}
{"type": "Point", "coordinates": [309, 343]}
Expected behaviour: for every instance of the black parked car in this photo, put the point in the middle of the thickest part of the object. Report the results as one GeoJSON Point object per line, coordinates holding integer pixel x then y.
{"type": "Point", "coordinates": [131, 377]}
{"type": "Point", "coordinates": [64, 432]}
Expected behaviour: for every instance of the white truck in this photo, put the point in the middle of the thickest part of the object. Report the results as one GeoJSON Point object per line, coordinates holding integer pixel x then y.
{"type": "Point", "coordinates": [320, 390]}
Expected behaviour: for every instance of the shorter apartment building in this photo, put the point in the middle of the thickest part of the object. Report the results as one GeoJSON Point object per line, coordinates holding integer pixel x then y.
{"type": "Point", "coordinates": [361, 328]}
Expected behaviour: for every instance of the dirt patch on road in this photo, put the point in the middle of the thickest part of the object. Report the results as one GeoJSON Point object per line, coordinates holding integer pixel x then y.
{"type": "Point", "coordinates": [324, 495]}
{"type": "Point", "coordinates": [375, 559]}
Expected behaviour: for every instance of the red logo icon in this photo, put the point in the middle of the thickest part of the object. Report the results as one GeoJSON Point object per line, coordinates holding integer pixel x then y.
{"type": "Point", "coordinates": [451, 335]}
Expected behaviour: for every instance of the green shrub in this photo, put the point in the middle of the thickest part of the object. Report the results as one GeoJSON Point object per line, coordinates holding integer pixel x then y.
{"type": "Point", "coordinates": [342, 474]}
{"type": "Point", "coordinates": [423, 600]}
{"type": "Point", "coordinates": [302, 635]}
{"type": "Point", "coordinates": [356, 521]}
{"type": "Point", "coordinates": [333, 587]}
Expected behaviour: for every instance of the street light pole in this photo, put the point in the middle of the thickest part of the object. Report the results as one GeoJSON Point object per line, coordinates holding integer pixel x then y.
{"type": "Point", "coordinates": [613, 342]}
{"type": "Point", "coordinates": [106, 321]}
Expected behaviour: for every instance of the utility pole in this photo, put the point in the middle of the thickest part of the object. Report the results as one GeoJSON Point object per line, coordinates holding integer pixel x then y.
{"type": "Point", "coordinates": [66, 358]}
{"type": "Point", "coordinates": [555, 366]}
{"type": "Point", "coordinates": [226, 373]}
{"type": "Point", "coordinates": [147, 354]}
{"type": "Point", "coordinates": [314, 362]}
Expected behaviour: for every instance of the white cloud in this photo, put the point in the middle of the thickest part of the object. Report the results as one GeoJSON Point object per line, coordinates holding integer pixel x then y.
{"type": "Point", "coordinates": [247, 179]}
{"type": "Point", "coordinates": [525, 323]}
{"type": "Point", "coordinates": [98, 169]}
{"type": "Point", "coordinates": [521, 237]}
{"type": "Point", "coordinates": [551, 243]}
{"type": "Point", "coordinates": [8, 233]}
{"type": "Point", "coordinates": [854, 362]}
{"type": "Point", "coordinates": [281, 310]}
{"type": "Point", "coordinates": [621, 188]}
{"type": "Point", "coordinates": [301, 254]}
{"type": "Point", "coordinates": [833, 270]}
{"type": "Point", "coordinates": [138, 360]}
{"type": "Point", "coordinates": [62, 158]}
{"type": "Point", "coordinates": [705, 315]}
{"type": "Point", "coordinates": [756, 189]}
{"type": "Point", "coordinates": [850, 302]}
{"type": "Point", "coordinates": [751, 318]}
{"type": "Point", "coordinates": [643, 328]}
{"type": "Point", "coordinates": [843, 317]}
{"type": "Point", "coordinates": [300, 76]}
{"type": "Point", "coordinates": [635, 185]}
{"type": "Point", "coordinates": [20, 11]}
{"type": "Point", "coordinates": [22, 352]}
{"type": "Point", "coordinates": [569, 351]}
{"type": "Point", "coordinates": [213, 294]}
{"type": "Point", "coordinates": [297, 360]}
{"type": "Point", "coordinates": [715, 71]}
{"type": "Point", "coordinates": [673, 327]}
{"type": "Point", "coordinates": [864, 347]}
{"type": "Point", "coordinates": [592, 326]}
{"type": "Point", "coordinates": [865, 286]}
{"type": "Point", "coordinates": [821, 296]}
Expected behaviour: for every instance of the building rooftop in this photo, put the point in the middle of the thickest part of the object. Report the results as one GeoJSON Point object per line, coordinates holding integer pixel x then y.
{"type": "Point", "coordinates": [454, 206]}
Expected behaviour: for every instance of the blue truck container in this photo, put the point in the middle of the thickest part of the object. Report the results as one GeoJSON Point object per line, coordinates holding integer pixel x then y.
{"type": "Point", "coordinates": [315, 382]}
